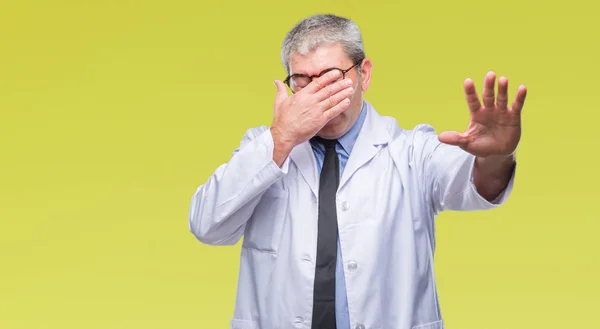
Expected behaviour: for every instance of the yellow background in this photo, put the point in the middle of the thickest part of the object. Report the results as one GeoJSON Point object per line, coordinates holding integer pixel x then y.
{"type": "Point", "coordinates": [113, 112]}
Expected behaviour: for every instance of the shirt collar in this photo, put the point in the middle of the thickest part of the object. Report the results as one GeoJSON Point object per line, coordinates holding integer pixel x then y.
{"type": "Point", "coordinates": [347, 141]}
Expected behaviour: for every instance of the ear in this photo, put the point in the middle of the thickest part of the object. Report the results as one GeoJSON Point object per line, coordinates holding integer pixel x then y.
{"type": "Point", "coordinates": [365, 71]}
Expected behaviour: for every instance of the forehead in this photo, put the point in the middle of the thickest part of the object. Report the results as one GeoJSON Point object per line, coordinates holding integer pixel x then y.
{"type": "Point", "coordinates": [321, 58]}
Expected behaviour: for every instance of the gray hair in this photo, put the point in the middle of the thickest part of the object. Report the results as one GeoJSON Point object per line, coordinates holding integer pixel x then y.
{"type": "Point", "coordinates": [322, 29]}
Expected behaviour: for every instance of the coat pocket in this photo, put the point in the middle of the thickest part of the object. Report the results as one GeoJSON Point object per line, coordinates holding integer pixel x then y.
{"type": "Point", "coordinates": [242, 324]}
{"type": "Point", "coordinates": [431, 325]}
{"type": "Point", "coordinates": [264, 228]}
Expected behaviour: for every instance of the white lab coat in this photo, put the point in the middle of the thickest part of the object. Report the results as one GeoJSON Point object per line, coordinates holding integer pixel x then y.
{"type": "Point", "coordinates": [395, 183]}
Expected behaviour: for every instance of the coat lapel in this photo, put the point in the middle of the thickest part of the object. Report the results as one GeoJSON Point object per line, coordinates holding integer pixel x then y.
{"type": "Point", "coordinates": [302, 155]}
{"type": "Point", "coordinates": [373, 135]}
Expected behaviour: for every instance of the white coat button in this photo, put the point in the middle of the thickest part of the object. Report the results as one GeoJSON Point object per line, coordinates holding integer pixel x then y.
{"type": "Point", "coordinates": [360, 326]}
{"type": "Point", "coordinates": [352, 265]}
{"type": "Point", "coordinates": [345, 206]}
{"type": "Point", "coordinates": [298, 320]}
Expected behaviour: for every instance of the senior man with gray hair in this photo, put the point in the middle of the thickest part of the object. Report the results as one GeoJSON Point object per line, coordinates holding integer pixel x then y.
{"type": "Point", "coordinates": [337, 204]}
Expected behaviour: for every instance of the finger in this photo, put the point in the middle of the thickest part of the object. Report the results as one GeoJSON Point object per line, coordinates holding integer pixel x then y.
{"type": "Point", "coordinates": [282, 92]}
{"type": "Point", "coordinates": [333, 89]}
{"type": "Point", "coordinates": [336, 110]}
{"type": "Point", "coordinates": [488, 90]}
{"type": "Point", "coordinates": [336, 98]}
{"type": "Point", "coordinates": [453, 138]}
{"type": "Point", "coordinates": [322, 81]}
{"type": "Point", "coordinates": [519, 101]}
{"type": "Point", "coordinates": [502, 93]}
{"type": "Point", "coordinates": [471, 95]}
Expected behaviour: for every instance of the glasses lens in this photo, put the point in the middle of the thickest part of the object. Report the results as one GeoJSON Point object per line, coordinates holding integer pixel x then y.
{"type": "Point", "coordinates": [299, 82]}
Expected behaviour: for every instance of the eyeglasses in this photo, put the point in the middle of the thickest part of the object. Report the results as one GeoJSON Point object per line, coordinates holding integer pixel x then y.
{"type": "Point", "coordinates": [298, 81]}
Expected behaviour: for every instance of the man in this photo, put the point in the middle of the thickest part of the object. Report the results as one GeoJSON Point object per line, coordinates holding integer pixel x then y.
{"type": "Point", "coordinates": [337, 203]}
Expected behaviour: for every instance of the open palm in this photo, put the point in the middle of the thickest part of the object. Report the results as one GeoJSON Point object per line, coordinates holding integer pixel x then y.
{"type": "Point", "coordinates": [495, 129]}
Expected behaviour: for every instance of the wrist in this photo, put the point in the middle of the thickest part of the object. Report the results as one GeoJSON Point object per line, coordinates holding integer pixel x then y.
{"type": "Point", "coordinates": [496, 164]}
{"type": "Point", "coordinates": [282, 146]}
{"type": "Point", "coordinates": [492, 174]}
{"type": "Point", "coordinates": [280, 140]}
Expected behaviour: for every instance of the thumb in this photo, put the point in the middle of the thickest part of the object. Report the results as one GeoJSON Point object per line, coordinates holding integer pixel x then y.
{"type": "Point", "coordinates": [281, 91]}
{"type": "Point", "coordinates": [453, 138]}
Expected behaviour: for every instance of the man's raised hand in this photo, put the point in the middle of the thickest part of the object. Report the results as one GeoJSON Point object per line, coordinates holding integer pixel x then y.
{"type": "Point", "coordinates": [494, 128]}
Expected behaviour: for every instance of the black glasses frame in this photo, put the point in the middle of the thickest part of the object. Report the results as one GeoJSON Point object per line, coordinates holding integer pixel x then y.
{"type": "Point", "coordinates": [311, 77]}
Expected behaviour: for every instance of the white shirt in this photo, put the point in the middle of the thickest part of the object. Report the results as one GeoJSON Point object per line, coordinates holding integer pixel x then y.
{"type": "Point", "coordinates": [395, 183]}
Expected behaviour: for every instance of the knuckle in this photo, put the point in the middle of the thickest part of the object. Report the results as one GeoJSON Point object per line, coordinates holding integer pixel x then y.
{"type": "Point", "coordinates": [330, 102]}
{"type": "Point", "coordinates": [300, 98]}
{"type": "Point", "coordinates": [330, 91]}
{"type": "Point", "coordinates": [318, 82]}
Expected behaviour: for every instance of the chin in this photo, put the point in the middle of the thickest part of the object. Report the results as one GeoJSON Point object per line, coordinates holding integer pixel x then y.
{"type": "Point", "coordinates": [335, 128]}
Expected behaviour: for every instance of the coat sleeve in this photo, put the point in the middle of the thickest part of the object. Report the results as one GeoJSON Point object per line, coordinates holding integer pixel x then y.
{"type": "Point", "coordinates": [221, 207]}
{"type": "Point", "coordinates": [447, 172]}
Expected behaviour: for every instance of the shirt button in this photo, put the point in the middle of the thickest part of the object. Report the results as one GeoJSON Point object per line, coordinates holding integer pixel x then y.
{"type": "Point", "coordinates": [345, 206]}
{"type": "Point", "coordinates": [360, 326]}
{"type": "Point", "coordinates": [352, 265]}
{"type": "Point", "coordinates": [298, 320]}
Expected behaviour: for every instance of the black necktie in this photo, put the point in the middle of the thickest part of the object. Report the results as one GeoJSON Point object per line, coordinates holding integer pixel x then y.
{"type": "Point", "coordinates": [324, 286]}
